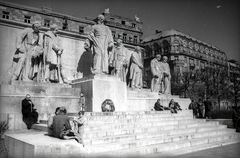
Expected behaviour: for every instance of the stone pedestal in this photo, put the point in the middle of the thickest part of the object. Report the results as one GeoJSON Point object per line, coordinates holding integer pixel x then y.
{"type": "Point", "coordinates": [98, 88]}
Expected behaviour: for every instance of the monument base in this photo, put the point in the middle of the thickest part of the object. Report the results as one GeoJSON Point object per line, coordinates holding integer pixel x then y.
{"type": "Point", "coordinates": [98, 88]}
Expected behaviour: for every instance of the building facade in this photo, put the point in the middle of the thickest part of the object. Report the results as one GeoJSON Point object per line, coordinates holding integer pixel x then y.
{"type": "Point", "coordinates": [183, 51]}
{"type": "Point", "coordinates": [73, 32]}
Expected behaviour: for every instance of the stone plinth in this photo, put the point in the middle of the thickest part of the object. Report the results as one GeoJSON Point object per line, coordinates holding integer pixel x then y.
{"type": "Point", "coordinates": [45, 96]}
{"type": "Point", "coordinates": [98, 88]}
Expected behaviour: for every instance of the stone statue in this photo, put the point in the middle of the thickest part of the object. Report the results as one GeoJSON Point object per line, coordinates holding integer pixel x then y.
{"type": "Point", "coordinates": [102, 41]}
{"type": "Point", "coordinates": [156, 82]}
{"type": "Point", "coordinates": [120, 60]}
{"type": "Point", "coordinates": [107, 11]}
{"type": "Point", "coordinates": [166, 76]}
{"type": "Point", "coordinates": [52, 56]}
{"type": "Point", "coordinates": [136, 67]}
{"type": "Point", "coordinates": [29, 50]}
{"type": "Point", "coordinates": [137, 18]}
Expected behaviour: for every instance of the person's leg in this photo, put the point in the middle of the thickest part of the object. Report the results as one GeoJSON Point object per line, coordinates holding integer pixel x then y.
{"type": "Point", "coordinates": [35, 116]}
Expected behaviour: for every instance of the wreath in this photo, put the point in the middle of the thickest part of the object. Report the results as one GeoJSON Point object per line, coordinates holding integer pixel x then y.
{"type": "Point", "coordinates": [108, 106]}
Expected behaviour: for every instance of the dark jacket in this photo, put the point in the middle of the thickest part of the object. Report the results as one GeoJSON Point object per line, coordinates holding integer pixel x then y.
{"type": "Point", "coordinates": [27, 108]}
{"type": "Point", "coordinates": [60, 123]}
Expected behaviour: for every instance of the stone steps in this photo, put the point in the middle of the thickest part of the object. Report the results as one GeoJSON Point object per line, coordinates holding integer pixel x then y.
{"type": "Point", "coordinates": [149, 135]}
{"type": "Point", "coordinates": [137, 134]}
{"type": "Point", "coordinates": [141, 148]}
{"type": "Point", "coordinates": [144, 142]}
{"type": "Point", "coordinates": [186, 150]}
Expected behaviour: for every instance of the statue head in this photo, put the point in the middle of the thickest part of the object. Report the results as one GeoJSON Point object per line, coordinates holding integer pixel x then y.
{"type": "Point", "coordinates": [158, 57]}
{"type": "Point", "coordinates": [54, 28]}
{"type": "Point", "coordinates": [137, 49]}
{"type": "Point", "coordinates": [165, 58]}
{"type": "Point", "coordinates": [100, 18]}
{"type": "Point", "coordinates": [36, 26]}
{"type": "Point", "coordinates": [119, 41]}
{"type": "Point", "coordinates": [28, 97]}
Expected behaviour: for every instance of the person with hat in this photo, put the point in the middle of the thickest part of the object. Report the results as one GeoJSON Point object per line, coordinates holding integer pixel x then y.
{"type": "Point", "coordinates": [156, 82]}
{"type": "Point", "coordinates": [29, 50]}
{"type": "Point", "coordinates": [102, 41]}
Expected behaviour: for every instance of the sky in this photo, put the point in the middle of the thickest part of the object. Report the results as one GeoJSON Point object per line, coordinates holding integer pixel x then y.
{"type": "Point", "coordinates": [216, 22]}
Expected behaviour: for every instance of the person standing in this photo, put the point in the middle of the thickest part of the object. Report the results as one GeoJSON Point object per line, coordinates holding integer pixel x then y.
{"type": "Point", "coordinates": [30, 115]}
{"type": "Point", "coordinates": [80, 126]}
{"type": "Point", "coordinates": [200, 107]}
{"type": "Point", "coordinates": [136, 67]}
{"type": "Point", "coordinates": [82, 101]}
{"type": "Point", "coordinates": [156, 82]}
{"type": "Point", "coordinates": [29, 49]}
{"type": "Point", "coordinates": [208, 107]}
{"type": "Point", "coordinates": [193, 106]}
{"type": "Point", "coordinates": [102, 41]}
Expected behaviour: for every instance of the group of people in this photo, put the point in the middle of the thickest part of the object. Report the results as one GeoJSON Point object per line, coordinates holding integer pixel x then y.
{"type": "Point", "coordinates": [60, 125]}
{"type": "Point", "coordinates": [172, 106]}
{"type": "Point", "coordinates": [38, 56]}
{"type": "Point", "coordinates": [161, 81]}
{"type": "Point", "coordinates": [201, 109]}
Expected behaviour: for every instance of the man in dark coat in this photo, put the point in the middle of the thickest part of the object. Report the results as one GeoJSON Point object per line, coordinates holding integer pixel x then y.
{"type": "Point", "coordinates": [30, 115]}
{"type": "Point", "coordinates": [208, 107]}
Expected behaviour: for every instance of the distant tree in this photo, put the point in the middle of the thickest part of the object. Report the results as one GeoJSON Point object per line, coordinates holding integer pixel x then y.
{"type": "Point", "coordinates": [220, 84]}
{"type": "Point", "coordinates": [235, 88]}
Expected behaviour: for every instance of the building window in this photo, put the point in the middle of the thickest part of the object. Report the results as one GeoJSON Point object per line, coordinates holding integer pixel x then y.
{"type": "Point", "coordinates": [133, 25]}
{"type": "Point", "coordinates": [114, 34]}
{"type": "Point", "coordinates": [27, 19]}
{"type": "Point", "coordinates": [81, 29]}
{"type": "Point", "coordinates": [123, 22]}
{"type": "Point", "coordinates": [65, 24]}
{"type": "Point", "coordinates": [5, 15]}
{"type": "Point", "coordinates": [124, 37]}
{"type": "Point", "coordinates": [176, 58]}
{"type": "Point", "coordinates": [135, 39]}
{"type": "Point", "coordinates": [46, 22]}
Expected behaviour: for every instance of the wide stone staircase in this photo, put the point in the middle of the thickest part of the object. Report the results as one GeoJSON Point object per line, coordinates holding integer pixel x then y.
{"type": "Point", "coordinates": [149, 134]}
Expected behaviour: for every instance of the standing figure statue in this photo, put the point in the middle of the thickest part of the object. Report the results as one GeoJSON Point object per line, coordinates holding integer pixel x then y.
{"type": "Point", "coordinates": [166, 76]}
{"type": "Point", "coordinates": [52, 56]}
{"type": "Point", "coordinates": [156, 83]}
{"type": "Point", "coordinates": [120, 60]}
{"type": "Point", "coordinates": [136, 67]}
{"type": "Point", "coordinates": [102, 41]}
{"type": "Point", "coordinates": [29, 50]}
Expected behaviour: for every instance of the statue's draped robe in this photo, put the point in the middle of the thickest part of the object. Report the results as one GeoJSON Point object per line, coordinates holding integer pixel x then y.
{"type": "Point", "coordinates": [121, 62]}
{"type": "Point", "coordinates": [101, 37]}
{"type": "Point", "coordinates": [166, 79]}
{"type": "Point", "coordinates": [156, 71]}
{"type": "Point", "coordinates": [52, 45]}
{"type": "Point", "coordinates": [135, 70]}
{"type": "Point", "coordinates": [29, 51]}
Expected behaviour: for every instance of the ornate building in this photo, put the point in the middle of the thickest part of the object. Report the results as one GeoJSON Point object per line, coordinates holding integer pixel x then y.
{"type": "Point", "coordinates": [73, 32]}
{"type": "Point", "coordinates": [183, 51]}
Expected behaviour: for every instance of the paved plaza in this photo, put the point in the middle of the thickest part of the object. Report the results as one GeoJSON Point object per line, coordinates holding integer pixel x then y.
{"type": "Point", "coordinates": [227, 151]}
